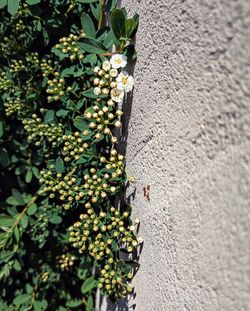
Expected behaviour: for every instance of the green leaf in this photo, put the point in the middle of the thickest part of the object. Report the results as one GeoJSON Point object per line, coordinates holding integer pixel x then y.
{"type": "Point", "coordinates": [81, 124]}
{"type": "Point", "coordinates": [88, 25]}
{"type": "Point", "coordinates": [59, 165]}
{"type": "Point", "coordinates": [131, 26]}
{"type": "Point", "coordinates": [110, 5]}
{"type": "Point", "coordinates": [32, 2]}
{"type": "Point", "coordinates": [1, 129]}
{"type": "Point", "coordinates": [118, 23]}
{"type": "Point", "coordinates": [49, 116]}
{"type": "Point", "coordinates": [3, 3]}
{"type": "Point", "coordinates": [55, 219]}
{"type": "Point", "coordinates": [21, 299]}
{"type": "Point", "coordinates": [32, 209]}
{"type": "Point", "coordinates": [92, 46]}
{"type": "Point", "coordinates": [28, 176]}
{"type": "Point", "coordinates": [13, 6]}
{"type": "Point", "coordinates": [90, 94]}
{"type": "Point", "coordinates": [13, 201]}
{"type": "Point", "coordinates": [88, 285]}
{"type": "Point", "coordinates": [4, 158]}
{"type": "Point", "coordinates": [86, 1]}
{"type": "Point", "coordinates": [90, 303]}
{"type": "Point", "coordinates": [74, 303]}
{"type": "Point", "coordinates": [96, 10]}
{"type": "Point", "coordinates": [17, 265]}
{"type": "Point", "coordinates": [17, 195]}
{"type": "Point", "coordinates": [6, 220]}
{"type": "Point", "coordinates": [24, 221]}
{"type": "Point", "coordinates": [62, 113]}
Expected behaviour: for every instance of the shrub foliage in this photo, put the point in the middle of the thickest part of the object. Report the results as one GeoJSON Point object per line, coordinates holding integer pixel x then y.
{"type": "Point", "coordinates": [62, 82]}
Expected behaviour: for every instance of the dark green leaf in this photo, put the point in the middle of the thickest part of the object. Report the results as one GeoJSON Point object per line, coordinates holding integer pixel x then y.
{"type": "Point", "coordinates": [88, 25]}
{"type": "Point", "coordinates": [24, 221]}
{"type": "Point", "coordinates": [1, 129]}
{"type": "Point", "coordinates": [92, 46]}
{"type": "Point", "coordinates": [62, 113]}
{"type": "Point", "coordinates": [49, 116]}
{"type": "Point", "coordinates": [32, 209]}
{"type": "Point", "coordinates": [110, 5]}
{"type": "Point", "coordinates": [81, 124]}
{"type": "Point", "coordinates": [59, 165]}
{"type": "Point", "coordinates": [17, 195]}
{"type": "Point", "coordinates": [4, 158]}
{"type": "Point", "coordinates": [118, 23]}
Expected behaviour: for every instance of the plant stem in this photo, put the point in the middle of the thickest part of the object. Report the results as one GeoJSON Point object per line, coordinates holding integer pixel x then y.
{"type": "Point", "coordinates": [102, 14]}
{"type": "Point", "coordinates": [22, 213]}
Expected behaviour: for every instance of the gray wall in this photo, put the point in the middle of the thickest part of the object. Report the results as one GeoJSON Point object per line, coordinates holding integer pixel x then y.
{"type": "Point", "coordinates": [189, 139]}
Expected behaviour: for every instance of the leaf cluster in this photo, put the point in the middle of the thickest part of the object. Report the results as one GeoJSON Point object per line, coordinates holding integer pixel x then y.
{"type": "Point", "coordinates": [50, 154]}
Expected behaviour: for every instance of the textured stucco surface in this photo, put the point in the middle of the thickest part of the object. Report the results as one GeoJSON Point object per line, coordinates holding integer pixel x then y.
{"type": "Point", "coordinates": [189, 139]}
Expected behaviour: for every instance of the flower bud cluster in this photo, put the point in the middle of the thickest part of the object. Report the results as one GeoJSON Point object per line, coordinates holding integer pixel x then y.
{"type": "Point", "coordinates": [20, 26]}
{"type": "Point", "coordinates": [62, 188]}
{"type": "Point", "coordinates": [47, 68]}
{"type": "Point", "coordinates": [17, 66]}
{"type": "Point", "coordinates": [5, 82]}
{"type": "Point", "coordinates": [105, 79]}
{"type": "Point", "coordinates": [100, 234]}
{"type": "Point", "coordinates": [102, 120]}
{"type": "Point", "coordinates": [38, 131]}
{"type": "Point", "coordinates": [55, 89]}
{"type": "Point", "coordinates": [99, 185]}
{"type": "Point", "coordinates": [68, 46]}
{"type": "Point", "coordinates": [65, 261]}
{"type": "Point", "coordinates": [32, 58]}
{"type": "Point", "coordinates": [14, 106]}
{"type": "Point", "coordinates": [114, 163]}
{"type": "Point", "coordinates": [74, 146]}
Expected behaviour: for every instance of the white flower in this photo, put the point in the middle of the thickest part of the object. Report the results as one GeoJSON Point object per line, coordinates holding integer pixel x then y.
{"type": "Point", "coordinates": [113, 73]}
{"type": "Point", "coordinates": [125, 82]}
{"type": "Point", "coordinates": [97, 91]}
{"type": "Point", "coordinates": [106, 65]}
{"type": "Point", "coordinates": [117, 95]}
{"type": "Point", "coordinates": [118, 61]}
{"type": "Point", "coordinates": [139, 240]}
{"type": "Point", "coordinates": [96, 69]}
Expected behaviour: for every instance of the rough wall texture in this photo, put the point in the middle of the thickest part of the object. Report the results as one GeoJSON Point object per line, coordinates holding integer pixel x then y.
{"type": "Point", "coordinates": [189, 139]}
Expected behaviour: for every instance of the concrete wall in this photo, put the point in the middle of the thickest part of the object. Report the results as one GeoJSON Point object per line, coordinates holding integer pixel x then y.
{"type": "Point", "coordinates": [189, 139]}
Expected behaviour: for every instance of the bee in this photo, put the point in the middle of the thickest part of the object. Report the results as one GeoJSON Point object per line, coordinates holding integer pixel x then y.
{"type": "Point", "coordinates": [146, 190]}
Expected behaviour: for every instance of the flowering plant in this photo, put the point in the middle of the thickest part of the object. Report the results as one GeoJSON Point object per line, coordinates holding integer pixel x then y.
{"type": "Point", "coordinates": [62, 81]}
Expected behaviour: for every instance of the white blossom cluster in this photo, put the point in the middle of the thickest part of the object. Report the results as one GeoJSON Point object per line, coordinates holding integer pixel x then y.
{"type": "Point", "coordinates": [120, 81]}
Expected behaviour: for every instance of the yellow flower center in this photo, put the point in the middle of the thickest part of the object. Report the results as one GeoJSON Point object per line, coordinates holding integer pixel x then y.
{"type": "Point", "coordinates": [118, 61]}
{"type": "Point", "coordinates": [124, 80]}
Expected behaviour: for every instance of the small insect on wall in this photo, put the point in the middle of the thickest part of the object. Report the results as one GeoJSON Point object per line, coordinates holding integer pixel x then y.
{"type": "Point", "coordinates": [62, 77]}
